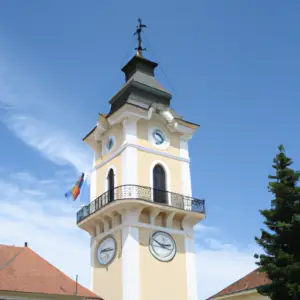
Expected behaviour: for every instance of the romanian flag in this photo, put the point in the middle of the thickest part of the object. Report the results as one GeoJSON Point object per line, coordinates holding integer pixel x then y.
{"type": "Point", "coordinates": [75, 191]}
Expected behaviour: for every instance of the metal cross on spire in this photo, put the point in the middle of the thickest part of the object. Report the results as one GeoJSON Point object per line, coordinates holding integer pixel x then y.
{"type": "Point", "coordinates": [138, 31]}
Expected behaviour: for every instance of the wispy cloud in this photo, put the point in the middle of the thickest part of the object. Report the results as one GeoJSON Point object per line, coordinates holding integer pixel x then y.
{"type": "Point", "coordinates": [56, 145]}
{"type": "Point", "coordinates": [201, 228]}
{"type": "Point", "coordinates": [24, 107]}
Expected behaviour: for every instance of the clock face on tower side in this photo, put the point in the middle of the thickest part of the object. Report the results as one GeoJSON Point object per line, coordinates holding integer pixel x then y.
{"type": "Point", "coordinates": [110, 143]}
{"type": "Point", "coordinates": [158, 137]}
{"type": "Point", "coordinates": [162, 246]}
{"type": "Point", "coordinates": [106, 251]}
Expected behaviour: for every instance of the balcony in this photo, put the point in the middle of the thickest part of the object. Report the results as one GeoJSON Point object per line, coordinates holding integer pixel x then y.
{"type": "Point", "coordinates": [142, 193]}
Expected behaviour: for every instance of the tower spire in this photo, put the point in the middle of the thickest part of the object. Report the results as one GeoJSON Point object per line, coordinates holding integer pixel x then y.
{"type": "Point", "coordinates": [138, 32]}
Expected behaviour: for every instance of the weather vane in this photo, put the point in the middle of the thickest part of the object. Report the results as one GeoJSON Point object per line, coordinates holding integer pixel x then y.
{"type": "Point", "coordinates": [138, 31]}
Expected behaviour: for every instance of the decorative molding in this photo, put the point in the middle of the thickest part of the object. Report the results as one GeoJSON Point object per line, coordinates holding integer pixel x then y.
{"type": "Point", "coordinates": [98, 229]}
{"type": "Point", "coordinates": [129, 110]}
{"type": "Point", "coordinates": [138, 225]}
{"type": "Point", "coordinates": [105, 224]}
{"type": "Point", "coordinates": [131, 216]}
{"type": "Point", "coordinates": [139, 103]}
{"type": "Point", "coordinates": [157, 228]}
{"type": "Point", "coordinates": [167, 115]}
{"type": "Point", "coordinates": [150, 112]}
{"type": "Point", "coordinates": [188, 132]}
{"type": "Point", "coordinates": [141, 148]}
{"type": "Point", "coordinates": [169, 219]}
{"type": "Point", "coordinates": [100, 129]}
{"type": "Point", "coordinates": [153, 214]}
{"type": "Point", "coordinates": [173, 125]}
{"type": "Point", "coordinates": [157, 152]}
{"type": "Point", "coordinates": [103, 234]}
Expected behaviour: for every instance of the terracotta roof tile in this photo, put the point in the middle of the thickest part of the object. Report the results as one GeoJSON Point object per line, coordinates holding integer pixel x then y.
{"type": "Point", "coordinates": [249, 282]}
{"type": "Point", "coordinates": [23, 270]}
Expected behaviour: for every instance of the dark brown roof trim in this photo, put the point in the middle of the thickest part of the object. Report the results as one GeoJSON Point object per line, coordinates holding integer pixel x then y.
{"type": "Point", "coordinates": [90, 133]}
{"type": "Point", "coordinates": [187, 122]}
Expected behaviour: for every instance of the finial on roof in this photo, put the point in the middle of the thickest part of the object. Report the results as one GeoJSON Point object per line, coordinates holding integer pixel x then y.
{"type": "Point", "coordinates": [138, 32]}
{"type": "Point", "coordinates": [25, 244]}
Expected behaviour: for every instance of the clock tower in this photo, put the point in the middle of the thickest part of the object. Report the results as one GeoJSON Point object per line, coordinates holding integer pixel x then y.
{"type": "Point", "coordinates": [142, 212]}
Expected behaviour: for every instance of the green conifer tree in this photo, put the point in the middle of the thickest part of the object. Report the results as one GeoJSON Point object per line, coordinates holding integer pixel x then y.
{"type": "Point", "coordinates": [281, 238]}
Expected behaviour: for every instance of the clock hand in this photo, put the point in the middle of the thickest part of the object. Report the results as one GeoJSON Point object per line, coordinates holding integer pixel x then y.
{"type": "Point", "coordinates": [162, 245]}
{"type": "Point", "coordinates": [106, 250]}
{"type": "Point", "coordinates": [158, 243]}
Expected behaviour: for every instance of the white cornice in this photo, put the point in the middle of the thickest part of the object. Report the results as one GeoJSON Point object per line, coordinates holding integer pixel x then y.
{"type": "Point", "coordinates": [127, 111]}
{"type": "Point", "coordinates": [175, 126]}
{"type": "Point", "coordinates": [133, 111]}
{"type": "Point", "coordinates": [141, 148]}
{"type": "Point", "coordinates": [136, 224]}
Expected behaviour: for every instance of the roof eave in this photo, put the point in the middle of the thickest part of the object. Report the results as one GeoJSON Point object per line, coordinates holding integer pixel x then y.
{"type": "Point", "coordinates": [50, 295]}
{"type": "Point", "coordinates": [143, 59]}
{"type": "Point", "coordinates": [188, 123]}
{"type": "Point", "coordinates": [136, 84]}
{"type": "Point", "coordinates": [234, 294]}
{"type": "Point", "coordinates": [91, 132]}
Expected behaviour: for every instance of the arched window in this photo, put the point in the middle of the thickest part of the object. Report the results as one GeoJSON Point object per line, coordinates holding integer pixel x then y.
{"type": "Point", "coordinates": [111, 185]}
{"type": "Point", "coordinates": [159, 184]}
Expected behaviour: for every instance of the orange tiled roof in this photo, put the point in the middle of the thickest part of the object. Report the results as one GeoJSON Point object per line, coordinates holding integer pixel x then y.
{"type": "Point", "coordinates": [249, 282]}
{"type": "Point", "coordinates": [23, 270]}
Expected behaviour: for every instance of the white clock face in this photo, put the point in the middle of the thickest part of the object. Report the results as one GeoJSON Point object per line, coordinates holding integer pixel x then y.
{"type": "Point", "coordinates": [162, 246]}
{"type": "Point", "coordinates": [106, 251]}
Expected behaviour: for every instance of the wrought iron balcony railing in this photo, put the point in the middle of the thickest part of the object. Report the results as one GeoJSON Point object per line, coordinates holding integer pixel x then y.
{"type": "Point", "coordinates": [130, 192]}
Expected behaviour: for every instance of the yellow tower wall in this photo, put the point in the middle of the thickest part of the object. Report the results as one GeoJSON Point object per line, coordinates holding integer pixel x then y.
{"type": "Point", "coordinates": [115, 163]}
{"type": "Point", "coordinates": [117, 132]}
{"type": "Point", "coordinates": [162, 280]}
{"type": "Point", "coordinates": [107, 281]}
{"type": "Point", "coordinates": [102, 172]}
{"type": "Point", "coordinates": [172, 168]}
{"type": "Point", "coordinates": [143, 127]}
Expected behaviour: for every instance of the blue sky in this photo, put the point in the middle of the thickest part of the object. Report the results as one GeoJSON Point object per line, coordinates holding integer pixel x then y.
{"type": "Point", "coordinates": [232, 66]}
